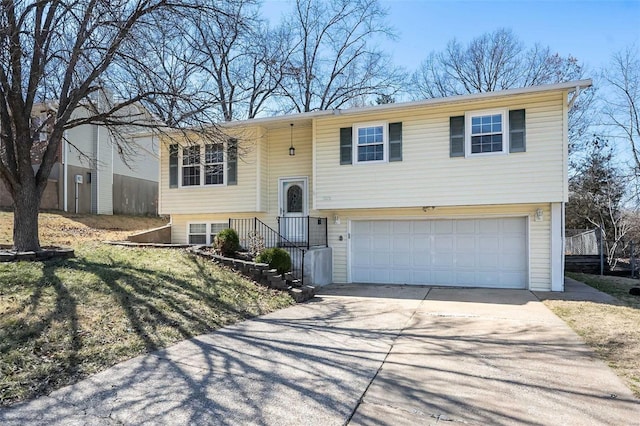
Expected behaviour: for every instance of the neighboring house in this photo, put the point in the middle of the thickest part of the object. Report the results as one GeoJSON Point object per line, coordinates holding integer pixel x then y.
{"type": "Point", "coordinates": [462, 191]}
{"type": "Point", "coordinates": [90, 176]}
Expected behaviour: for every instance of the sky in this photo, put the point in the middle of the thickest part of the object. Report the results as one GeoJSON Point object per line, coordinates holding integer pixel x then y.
{"type": "Point", "coordinates": [589, 30]}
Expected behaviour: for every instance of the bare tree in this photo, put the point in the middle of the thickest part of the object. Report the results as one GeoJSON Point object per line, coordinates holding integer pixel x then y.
{"type": "Point", "coordinates": [622, 101]}
{"type": "Point", "coordinates": [241, 59]}
{"type": "Point", "coordinates": [490, 62]}
{"type": "Point", "coordinates": [102, 56]}
{"type": "Point", "coordinates": [334, 58]}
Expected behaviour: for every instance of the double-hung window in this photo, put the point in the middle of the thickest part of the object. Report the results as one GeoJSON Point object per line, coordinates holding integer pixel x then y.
{"type": "Point", "coordinates": [191, 165]}
{"type": "Point", "coordinates": [214, 164]}
{"type": "Point", "coordinates": [198, 233]}
{"type": "Point", "coordinates": [204, 233]}
{"type": "Point", "coordinates": [371, 143]}
{"type": "Point", "coordinates": [486, 132]}
{"type": "Point", "coordinates": [203, 165]}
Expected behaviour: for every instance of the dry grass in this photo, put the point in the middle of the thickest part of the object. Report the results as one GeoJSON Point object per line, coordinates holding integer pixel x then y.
{"type": "Point", "coordinates": [612, 330]}
{"type": "Point", "coordinates": [67, 229]}
{"type": "Point", "coordinates": [65, 319]}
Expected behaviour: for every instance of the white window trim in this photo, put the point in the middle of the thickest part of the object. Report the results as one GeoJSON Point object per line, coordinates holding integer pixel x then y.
{"type": "Point", "coordinates": [385, 141]}
{"type": "Point", "coordinates": [208, 238]}
{"type": "Point", "coordinates": [197, 223]}
{"type": "Point", "coordinates": [202, 168]}
{"type": "Point", "coordinates": [505, 132]}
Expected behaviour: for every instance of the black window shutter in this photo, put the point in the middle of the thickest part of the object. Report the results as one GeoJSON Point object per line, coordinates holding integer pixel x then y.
{"type": "Point", "coordinates": [346, 144]}
{"type": "Point", "coordinates": [395, 141]}
{"type": "Point", "coordinates": [517, 140]}
{"type": "Point", "coordinates": [173, 166]}
{"type": "Point", "coordinates": [232, 162]}
{"type": "Point", "coordinates": [456, 136]}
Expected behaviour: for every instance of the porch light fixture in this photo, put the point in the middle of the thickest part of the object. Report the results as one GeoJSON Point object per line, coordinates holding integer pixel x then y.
{"type": "Point", "coordinates": [539, 215]}
{"type": "Point", "coordinates": [292, 150]}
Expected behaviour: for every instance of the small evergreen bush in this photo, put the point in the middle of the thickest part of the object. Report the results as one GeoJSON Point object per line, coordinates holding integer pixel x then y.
{"type": "Point", "coordinates": [227, 242]}
{"type": "Point", "coordinates": [277, 258]}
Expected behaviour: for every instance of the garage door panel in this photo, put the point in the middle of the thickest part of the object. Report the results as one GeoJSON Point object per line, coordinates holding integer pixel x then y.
{"type": "Point", "coordinates": [381, 227]}
{"type": "Point", "coordinates": [488, 227]}
{"type": "Point", "coordinates": [488, 243]}
{"type": "Point", "coordinates": [442, 227]}
{"type": "Point", "coordinates": [513, 224]}
{"type": "Point", "coordinates": [401, 227]}
{"type": "Point", "coordinates": [465, 226]}
{"type": "Point", "coordinates": [488, 261]}
{"type": "Point", "coordinates": [443, 243]}
{"type": "Point", "coordinates": [464, 252]}
{"type": "Point", "coordinates": [421, 227]}
{"type": "Point", "coordinates": [466, 244]}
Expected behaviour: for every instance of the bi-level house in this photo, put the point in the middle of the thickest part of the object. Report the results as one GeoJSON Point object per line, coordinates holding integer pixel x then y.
{"type": "Point", "coordinates": [459, 191]}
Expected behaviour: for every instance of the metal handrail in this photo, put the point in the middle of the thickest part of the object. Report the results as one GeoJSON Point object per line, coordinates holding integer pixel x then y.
{"type": "Point", "coordinates": [271, 238]}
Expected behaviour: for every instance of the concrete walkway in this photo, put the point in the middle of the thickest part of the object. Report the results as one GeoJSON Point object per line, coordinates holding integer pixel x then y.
{"type": "Point", "coordinates": [365, 355]}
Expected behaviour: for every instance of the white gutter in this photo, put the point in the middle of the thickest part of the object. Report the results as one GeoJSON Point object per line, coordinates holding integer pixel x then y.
{"type": "Point", "coordinates": [576, 93]}
{"type": "Point", "coordinates": [573, 86]}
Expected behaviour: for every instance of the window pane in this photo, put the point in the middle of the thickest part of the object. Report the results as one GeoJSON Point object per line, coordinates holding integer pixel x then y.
{"type": "Point", "coordinates": [294, 199]}
{"type": "Point", "coordinates": [191, 175]}
{"type": "Point", "coordinates": [198, 228]}
{"type": "Point", "coordinates": [214, 174]}
{"type": "Point", "coordinates": [370, 135]}
{"type": "Point", "coordinates": [486, 143]}
{"type": "Point", "coordinates": [371, 153]}
{"type": "Point", "coordinates": [191, 155]}
{"type": "Point", "coordinates": [217, 227]}
{"type": "Point", "coordinates": [197, 239]}
{"type": "Point", "coordinates": [214, 154]}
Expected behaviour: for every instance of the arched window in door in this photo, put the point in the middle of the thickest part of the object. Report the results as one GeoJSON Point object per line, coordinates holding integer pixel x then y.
{"type": "Point", "coordinates": [294, 199]}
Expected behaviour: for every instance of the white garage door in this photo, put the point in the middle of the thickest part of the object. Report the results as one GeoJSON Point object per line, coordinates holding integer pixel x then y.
{"type": "Point", "coordinates": [463, 252]}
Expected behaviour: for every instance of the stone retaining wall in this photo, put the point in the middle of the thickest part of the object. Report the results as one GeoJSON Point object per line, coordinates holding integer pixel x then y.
{"type": "Point", "coordinates": [261, 273]}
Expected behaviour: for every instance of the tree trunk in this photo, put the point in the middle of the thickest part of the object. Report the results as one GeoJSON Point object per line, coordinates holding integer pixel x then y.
{"type": "Point", "coordinates": [26, 204]}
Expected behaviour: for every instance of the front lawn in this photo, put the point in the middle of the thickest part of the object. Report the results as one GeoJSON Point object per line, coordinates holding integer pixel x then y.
{"type": "Point", "coordinates": [65, 319]}
{"type": "Point", "coordinates": [612, 330]}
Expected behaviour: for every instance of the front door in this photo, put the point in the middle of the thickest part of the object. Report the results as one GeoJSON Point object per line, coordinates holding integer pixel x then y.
{"type": "Point", "coordinates": [293, 209]}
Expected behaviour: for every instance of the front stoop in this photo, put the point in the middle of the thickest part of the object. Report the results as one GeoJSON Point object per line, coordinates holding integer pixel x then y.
{"type": "Point", "coordinates": [261, 273]}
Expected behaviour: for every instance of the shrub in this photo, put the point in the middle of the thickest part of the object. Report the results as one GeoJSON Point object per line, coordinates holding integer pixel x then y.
{"type": "Point", "coordinates": [227, 242]}
{"type": "Point", "coordinates": [277, 258]}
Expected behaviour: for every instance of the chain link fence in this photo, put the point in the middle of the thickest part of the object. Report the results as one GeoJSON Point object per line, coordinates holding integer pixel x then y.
{"type": "Point", "coordinates": [580, 242]}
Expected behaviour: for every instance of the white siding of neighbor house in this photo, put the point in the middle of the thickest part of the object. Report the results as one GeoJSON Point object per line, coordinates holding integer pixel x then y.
{"type": "Point", "coordinates": [103, 175]}
{"type": "Point", "coordinates": [214, 199]}
{"type": "Point", "coordinates": [142, 161]}
{"type": "Point", "coordinates": [538, 235]}
{"type": "Point", "coordinates": [428, 176]}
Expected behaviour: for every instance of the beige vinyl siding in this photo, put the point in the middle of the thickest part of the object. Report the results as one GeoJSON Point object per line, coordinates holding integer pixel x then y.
{"type": "Point", "coordinates": [539, 240]}
{"type": "Point", "coordinates": [213, 199]}
{"type": "Point", "coordinates": [428, 176]}
{"type": "Point", "coordinates": [263, 170]}
{"type": "Point", "coordinates": [281, 164]}
{"type": "Point", "coordinates": [179, 223]}
{"type": "Point", "coordinates": [274, 163]}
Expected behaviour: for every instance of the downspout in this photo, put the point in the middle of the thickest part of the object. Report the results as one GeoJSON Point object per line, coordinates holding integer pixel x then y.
{"type": "Point", "coordinates": [65, 173]}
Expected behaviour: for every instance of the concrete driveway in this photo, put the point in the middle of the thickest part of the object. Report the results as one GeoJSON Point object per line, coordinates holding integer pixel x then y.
{"type": "Point", "coordinates": [365, 355]}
